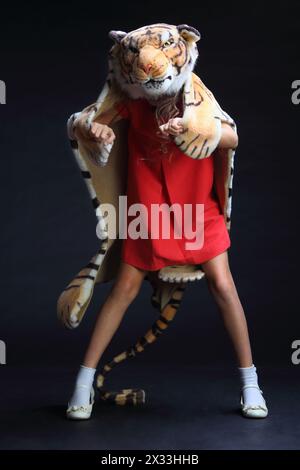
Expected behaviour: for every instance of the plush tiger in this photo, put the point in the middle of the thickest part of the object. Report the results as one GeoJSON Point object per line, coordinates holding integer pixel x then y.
{"type": "Point", "coordinates": [155, 62]}
{"type": "Point", "coordinates": [169, 53]}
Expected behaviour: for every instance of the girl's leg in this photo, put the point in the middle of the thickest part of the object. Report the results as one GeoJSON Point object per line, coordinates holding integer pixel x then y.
{"type": "Point", "coordinates": [123, 292]}
{"type": "Point", "coordinates": [222, 287]}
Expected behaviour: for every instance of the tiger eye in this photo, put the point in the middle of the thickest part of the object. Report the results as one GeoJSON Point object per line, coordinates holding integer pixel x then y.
{"type": "Point", "coordinates": [169, 42]}
{"type": "Point", "coordinates": [133, 49]}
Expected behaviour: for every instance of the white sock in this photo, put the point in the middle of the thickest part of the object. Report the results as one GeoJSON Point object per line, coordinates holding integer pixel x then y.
{"type": "Point", "coordinates": [251, 396]}
{"type": "Point", "coordinates": [83, 385]}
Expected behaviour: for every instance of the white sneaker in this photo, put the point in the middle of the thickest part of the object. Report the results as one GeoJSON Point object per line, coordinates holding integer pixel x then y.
{"type": "Point", "coordinates": [253, 411]}
{"type": "Point", "coordinates": [83, 411]}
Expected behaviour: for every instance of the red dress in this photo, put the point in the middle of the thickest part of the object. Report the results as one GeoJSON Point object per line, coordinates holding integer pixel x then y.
{"type": "Point", "coordinates": [158, 172]}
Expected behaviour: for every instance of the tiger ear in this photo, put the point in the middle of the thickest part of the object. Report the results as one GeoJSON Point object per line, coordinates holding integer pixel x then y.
{"type": "Point", "coordinates": [116, 36]}
{"type": "Point", "coordinates": [189, 33]}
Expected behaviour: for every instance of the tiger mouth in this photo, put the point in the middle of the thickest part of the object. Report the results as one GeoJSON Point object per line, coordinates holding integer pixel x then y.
{"type": "Point", "coordinates": [154, 83]}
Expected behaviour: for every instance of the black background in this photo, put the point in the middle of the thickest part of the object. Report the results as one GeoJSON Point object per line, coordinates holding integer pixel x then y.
{"type": "Point", "coordinates": [54, 60]}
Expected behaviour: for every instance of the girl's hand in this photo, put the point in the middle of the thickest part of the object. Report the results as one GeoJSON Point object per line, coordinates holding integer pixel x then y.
{"type": "Point", "coordinates": [173, 127]}
{"type": "Point", "coordinates": [102, 133]}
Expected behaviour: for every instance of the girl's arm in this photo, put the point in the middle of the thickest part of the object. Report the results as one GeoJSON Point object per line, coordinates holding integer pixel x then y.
{"type": "Point", "coordinates": [100, 130]}
{"type": "Point", "coordinates": [229, 138]}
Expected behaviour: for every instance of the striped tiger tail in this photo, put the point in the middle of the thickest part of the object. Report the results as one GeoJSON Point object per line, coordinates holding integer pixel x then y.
{"type": "Point", "coordinates": [135, 396]}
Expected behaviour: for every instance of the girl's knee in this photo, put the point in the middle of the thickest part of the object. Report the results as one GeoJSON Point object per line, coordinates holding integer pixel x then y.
{"type": "Point", "coordinates": [221, 284]}
{"type": "Point", "coordinates": [125, 289]}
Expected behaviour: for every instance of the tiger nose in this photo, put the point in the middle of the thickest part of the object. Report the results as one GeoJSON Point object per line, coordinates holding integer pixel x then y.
{"type": "Point", "coordinates": [147, 68]}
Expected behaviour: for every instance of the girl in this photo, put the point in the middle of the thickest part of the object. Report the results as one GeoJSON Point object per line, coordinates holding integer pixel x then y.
{"type": "Point", "coordinates": [153, 161]}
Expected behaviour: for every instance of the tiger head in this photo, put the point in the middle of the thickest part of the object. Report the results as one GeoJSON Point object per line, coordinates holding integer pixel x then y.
{"type": "Point", "coordinates": [154, 60]}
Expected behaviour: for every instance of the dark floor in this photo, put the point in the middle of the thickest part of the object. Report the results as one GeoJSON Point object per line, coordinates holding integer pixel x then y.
{"type": "Point", "coordinates": [187, 407]}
